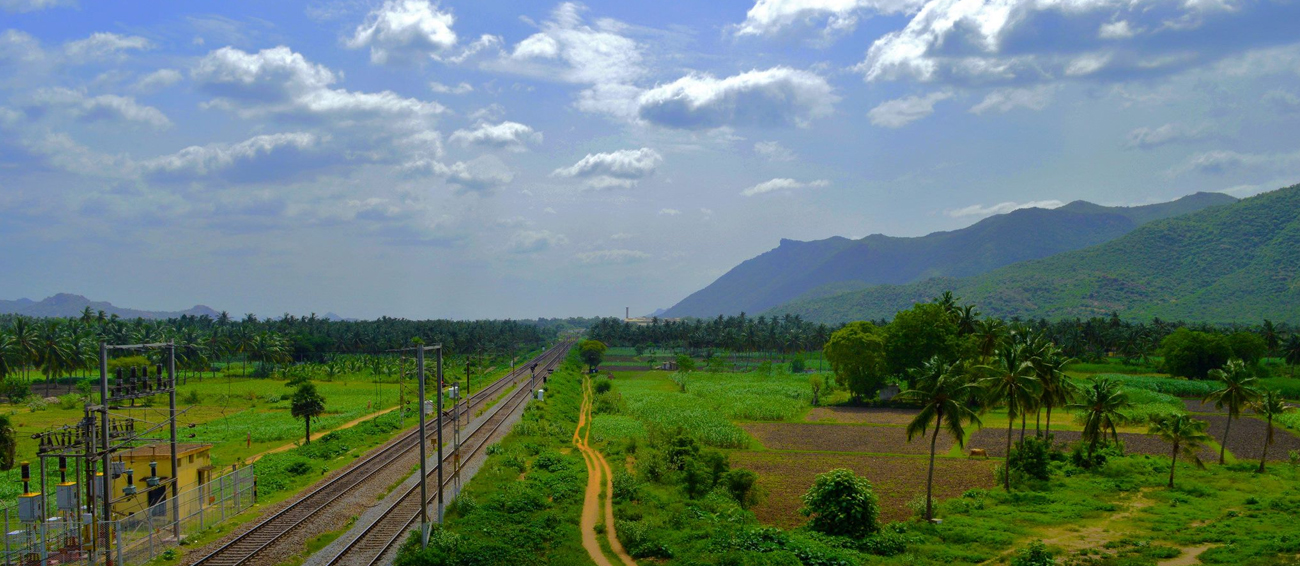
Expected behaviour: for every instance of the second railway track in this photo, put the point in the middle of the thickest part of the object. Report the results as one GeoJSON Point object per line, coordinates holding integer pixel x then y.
{"type": "Point", "coordinates": [244, 548]}
{"type": "Point", "coordinates": [379, 538]}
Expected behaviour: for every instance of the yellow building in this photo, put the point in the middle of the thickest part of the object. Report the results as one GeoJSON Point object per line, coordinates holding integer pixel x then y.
{"type": "Point", "coordinates": [194, 461]}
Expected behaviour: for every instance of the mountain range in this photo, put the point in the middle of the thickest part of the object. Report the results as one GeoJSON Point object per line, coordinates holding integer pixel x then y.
{"type": "Point", "coordinates": [71, 306]}
{"type": "Point", "coordinates": [807, 271]}
{"type": "Point", "coordinates": [1234, 263]}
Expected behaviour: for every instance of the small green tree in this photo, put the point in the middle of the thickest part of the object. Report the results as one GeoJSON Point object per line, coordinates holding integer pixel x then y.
{"type": "Point", "coordinates": [1193, 354]}
{"type": "Point", "coordinates": [685, 363]}
{"type": "Point", "coordinates": [306, 404]}
{"type": "Point", "coordinates": [1183, 433]}
{"type": "Point", "coordinates": [592, 352]}
{"type": "Point", "coordinates": [818, 383]}
{"type": "Point", "coordinates": [8, 443]}
{"type": "Point", "coordinates": [1291, 352]}
{"type": "Point", "coordinates": [842, 504]}
{"type": "Point", "coordinates": [857, 356]}
{"type": "Point", "coordinates": [1270, 405]}
{"type": "Point", "coordinates": [1101, 403]}
{"type": "Point", "coordinates": [1237, 391]}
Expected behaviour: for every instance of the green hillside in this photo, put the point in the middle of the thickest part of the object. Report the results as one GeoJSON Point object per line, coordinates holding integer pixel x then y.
{"type": "Point", "coordinates": [1235, 263]}
{"type": "Point", "coordinates": [806, 270]}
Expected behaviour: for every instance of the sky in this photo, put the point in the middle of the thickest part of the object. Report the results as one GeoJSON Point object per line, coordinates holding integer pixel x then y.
{"type": "Point", "coordinates": [492, 159]}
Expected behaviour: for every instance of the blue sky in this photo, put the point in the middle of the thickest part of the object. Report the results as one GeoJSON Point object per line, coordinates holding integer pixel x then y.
{"type": "Point", "coordinates": [521, 159]}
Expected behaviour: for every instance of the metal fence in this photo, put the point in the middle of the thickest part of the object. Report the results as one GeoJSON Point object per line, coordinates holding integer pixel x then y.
{"type": "Point", "coordinates": [136, 538]}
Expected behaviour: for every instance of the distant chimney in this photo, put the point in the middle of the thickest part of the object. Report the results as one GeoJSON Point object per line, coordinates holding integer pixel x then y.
{"type": "Point", "coordinates": [627, 313]}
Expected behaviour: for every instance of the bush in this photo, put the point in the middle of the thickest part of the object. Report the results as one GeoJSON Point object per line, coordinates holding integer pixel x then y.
{"type": "Point", "coordinates": [1032, 458]}
{"type": "Point", "coordinates": [1080, 458]}
{"type": "Point", "coordinates": [69, 401]}
{"type": "Point", "coordinates": [1035, 555]}
{"type": "Point", "coordinates": [603, 386]}
{"type": "Point", "coordinates": [842, 504]}
{"type": "Point", "coordinates": [742, 485]}
{"type": "Point", "coordinates": [16, 390]}
{"type": "Point", "coordinates": [192, 398]}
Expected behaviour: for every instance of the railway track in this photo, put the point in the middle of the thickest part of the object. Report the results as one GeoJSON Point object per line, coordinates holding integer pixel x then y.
{"type": "Point", "coordinates": [370, 546]}
{"type": "Point", "coordinates": [244, 548]}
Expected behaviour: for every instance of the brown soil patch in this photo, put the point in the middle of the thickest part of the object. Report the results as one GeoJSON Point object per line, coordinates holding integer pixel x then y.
{"type": "Point", "coordinates": [897, 480]}
{"type": "Point", "coordinates": [995, 442]}
{"type": "Point", "coordinates": [861, 415]}
{"type": "Point", "coordinates": [1246, 439]}
{"type": "Point", "coordinates": [1191, 555]}
{"type": "Point", "coordinates": [842, 438]}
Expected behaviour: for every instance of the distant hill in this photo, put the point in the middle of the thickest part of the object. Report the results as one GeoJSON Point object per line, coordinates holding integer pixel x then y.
{"type": "Point", "coordinates": [809, 270]}
{"type": "Point", "coordinates": [1233, 263]}
{"type": "Point", "coordinates": [68, 305]}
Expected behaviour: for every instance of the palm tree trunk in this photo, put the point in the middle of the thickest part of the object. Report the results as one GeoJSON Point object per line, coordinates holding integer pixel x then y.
{"type": "Point", "coordinates": [1048, 428]}
{"type": "Point", "coordinates": [1038, 422]}
{"type": "Point", "coordinates": [1224, 446]}
{"type": "Point", "coordinates": [1173, 464]}
{"type": "Point", "coordinates": [308, 421]}
{"type": "Point", "coordinates": [1023, 418]}
{"type": "Point", "coordinates": [929, 479]}
{"type": "Point", "coordinates": [1006, 468]}
{"type": "Point", "coordinates": [1267, 437]}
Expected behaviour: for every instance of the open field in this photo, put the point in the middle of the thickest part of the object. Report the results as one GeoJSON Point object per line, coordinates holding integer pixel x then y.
{"type": "Point", "coordinates": [842, 438]}
{"type": "Point", "coordinates": [897, 480]}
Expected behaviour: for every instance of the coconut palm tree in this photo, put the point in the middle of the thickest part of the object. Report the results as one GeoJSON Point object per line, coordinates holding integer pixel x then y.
{"type": "Point", "coordinates": [25, 342]}
{"type": "Point", "coordinates": [943, 392]}
{"type": "Point", "coordinates": [1291, 352]}
{"type": "Point", "coordinates": [1057, 388]}
{"type": "Point", "coordinates": [1184, 433]}
{"type": "Point", "coordinates": [1010, 381]}
{"type": "Point", "coordinates": [1270, 405]}
{"type": "Point", "coordinates": [1238, 391]}
{"type": "Point", "coordinates": [1101, 403]}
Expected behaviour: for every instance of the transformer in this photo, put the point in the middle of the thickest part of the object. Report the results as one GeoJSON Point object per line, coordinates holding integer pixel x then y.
{"type": "Point", "coordinates": [66, 496]}
{"type": "Point", "coordinates": [31, 507]}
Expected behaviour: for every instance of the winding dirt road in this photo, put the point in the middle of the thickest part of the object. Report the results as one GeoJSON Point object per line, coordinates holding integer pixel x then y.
{"type": "Point", "coordinates": [598, 476]}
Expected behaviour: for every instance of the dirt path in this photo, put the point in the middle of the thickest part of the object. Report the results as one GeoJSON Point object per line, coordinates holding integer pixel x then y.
{"type": "Point", "coordinates": [319, 434]}
{"type": "Point", "coordinates": [1093, 534]}
{"type": "Point", "coordinates": [597, 470]}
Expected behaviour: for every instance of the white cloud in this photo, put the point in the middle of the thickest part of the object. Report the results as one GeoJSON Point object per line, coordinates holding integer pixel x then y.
{"type": "Point", "coordinates": [1147, 138]}
{"type": "Point", "coordinates": [773, 151]}
{"type": "Point", "coordinates": [440, 88]}
{"type": "Point", "coordinates": [1220, 162]}
{"type": "Point", "coordinates": [482, 174]}
{"type": "Point", "coordinates": [1116, 30]}
{"type": "Point", "coordinates": [621, 236]}
{"type": "Point", "coordinates": [902, 111]}
{"type": "Point", "coordinates": [509, 135]}
{"type": "Point", "coordinates": [240, 158]}
{"type": "Point", "coordinates": [769, 17]}
{"type": "Point", "coordinates": [669, 212]}
{"type": "Point", "coordinates": [97, 108]}
{"type": "Point", "coordinates": [1087, 64]}
{"type": "Point", "coordinates": [280, 84]}
{"type": "Point", "coordinates": [781, 184]}
{"type": "Point", "coordinates": [622, 168]}
{"type": "Point", "coordinates": [157, 80]}
{"type": "Point", "coordinates": [404, 31]}
{"type": "Point", "coordinates": [32, 5]}
{"type": "Point", "coordinates": [535, 241]}
{"type": "Point", "coordinates": [1007, 99]}
{"type": "Point", "coordinates": [612, 257]}
{"type": "Point", "coordinates": [569, 49]}
{"type": "Point", "coordinates": [774, 97]}
{"type": "Point", "coordinates": [967, 40]}
{"type": "Point", "coordinates": [1000, 208]}
{"type": "Point", "coordinates": [103, 45]}
{"type": "Point", "coordinates": [19, 47]}
{"type": "Point", "coordinates": [1282, 101]}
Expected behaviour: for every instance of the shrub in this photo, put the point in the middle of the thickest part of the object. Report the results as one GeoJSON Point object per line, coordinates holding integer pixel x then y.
{"type": "Point", "coordinates": [603, 386]}
{"type": "Point", "coordinates": [69, 402]}
{"type": "Point", "coordinates": [742, 485]}
{"type": "Point", "coordinates": [1035, 555]}
{"type": "Point", "coordinates": [1032, 458]}
{"type": "Point", "coordinates": [550, 462]}
{"type": "Point", "coordinates": [842, 504]}
{"type": "Point", "coordinates": [16, 390]}
{"type": "Point", "coordinates": [192, 398]}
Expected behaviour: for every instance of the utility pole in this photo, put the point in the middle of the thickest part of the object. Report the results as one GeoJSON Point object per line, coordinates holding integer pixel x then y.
{"type": "Point", "coordinates": [440, 502]}
{"type": "Point", "coordinates": [424, 489]}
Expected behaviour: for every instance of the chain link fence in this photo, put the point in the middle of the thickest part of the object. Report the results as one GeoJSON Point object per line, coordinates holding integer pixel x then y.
{"type": "Point", "coordinates": [136, 538]}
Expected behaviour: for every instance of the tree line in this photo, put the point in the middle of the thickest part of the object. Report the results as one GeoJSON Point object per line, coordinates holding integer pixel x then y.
{"type": "Point", "coordinates": [57, 347]}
